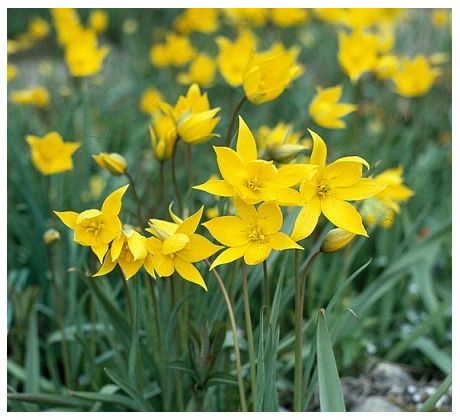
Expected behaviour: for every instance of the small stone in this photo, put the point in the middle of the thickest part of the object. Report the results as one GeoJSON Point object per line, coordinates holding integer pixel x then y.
{"type": "Point", "coordinates": [375, 404]}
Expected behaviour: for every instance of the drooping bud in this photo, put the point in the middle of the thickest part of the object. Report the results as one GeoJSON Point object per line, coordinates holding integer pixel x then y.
{"type": "Point", "coordinates": [336, 239]}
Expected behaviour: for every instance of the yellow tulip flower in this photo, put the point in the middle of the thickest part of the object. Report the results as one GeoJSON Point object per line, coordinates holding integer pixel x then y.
{"type": "Point", "coordinates": [175, 246]}
{"type": "Point", "coordinates": [336, 239]}
{"type": "Point", "coordinates": [163, 136]}
{"type": "Point", "coordinates": [201, 71]}
{"type": "Point", "coordinates": [113, 162]}
{"type": "Point", "coordinates": [440, 18]}
{"type": "Point", "coordinates": [150, 101]}
{"type": "Point", "coordinates": [50, 154]}
{"type": "Point", "coordinates": [285, 18]}
{"type": "Point", "coordinates": [37, 96]}
{"type": "Point", "coordinates": [11, 72]}
{"type": "Point", "coordinates": [357, 53]}
{"type": "Point", "coordinates": [269, 73]}
{"type": "Point", "coordinates": [416, 77]}
{"type": "Point", "coordinates": [326, 110]}
{"type": "Point", "coordinates": [96, 228]}
{"type": "Point", "coordinates": [233, 57]}
{"type": "Point", "coordinates": [395, 190]}
{"type": "Point", "coordinates": [252, 179]}
{"type": "Point", "coordinates": [252, 234]}
{"type": "Point", "coordinates": [329, 191]}
{"type": "Point", "coordinates": [387, 66]}
{"type": "Point", "coordinates": [98, 21]}
{"type": "Point", "coordinates": [248, 16]}
{"type": "Point", "coordinates": [200, 20]}
{"type": "Point", "coordinates": [67, 24]}
{"type": "Point", "coordinates": [128, 250]}
{"type": "Point", "coordinates": [38, 28]}
{"type": "Point", "coordinates": [176, 51]}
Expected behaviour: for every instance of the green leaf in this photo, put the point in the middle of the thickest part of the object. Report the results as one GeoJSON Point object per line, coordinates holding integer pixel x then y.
{"type": "Point", "coordinates": [20, 373]}
{"type": "Point", "coordinates": [182, 366]}
{"type": "Point", "coordinates": [221, 378]}
{"type": "Point", "coordinates": [109, 396]}
{"type": "Point", "coordinates": [439, 358]}
{"type": "Point", "coordinates": [430, 403]}
{"type": "Point", "coordinates": [48, 399]}
{"type": "Point", "coordinates": [32, 362]}
{"type": "Point", "coordinates": [330, 390]}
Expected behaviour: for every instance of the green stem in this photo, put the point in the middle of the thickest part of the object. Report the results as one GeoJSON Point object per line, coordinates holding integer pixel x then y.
{"type": "Point", "coordinates": [174, 178]}
{"type": "Point", "coordinates": [228, 137]}
{"type": "Point", "coordinates": [266, 290]}
{"type": "Point", "coordinates": [250, 337]}
{"type": "Point", "coordinates": [236, 345]}
{"type": "Point", "coordinates": [129, 304]}
{"type": "Point", "coordinates": [163, 186]}
{"type": "Point", "coordinates": [140, 219]}
{"type": "Point", "coordinates": [299, 302]}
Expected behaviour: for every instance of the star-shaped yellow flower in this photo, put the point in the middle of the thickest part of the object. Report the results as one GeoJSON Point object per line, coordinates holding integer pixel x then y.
{"type": "Point", "coordinates": [252, 179]}
{"type": "Point", "coordinates": [253, 234]}
{"type": "Point", "coordinates": [329, 191]}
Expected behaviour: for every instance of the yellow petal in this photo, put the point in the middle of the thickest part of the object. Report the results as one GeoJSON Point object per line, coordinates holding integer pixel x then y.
{"type": "Point", "coordinates": [69, 218]}
{"type": "Point", "coordinates": [136, 244]}
{"type": "Point", "coordinates": [342, 174]}
{"type": "Point", "coordinates": [256, 253]}
{"type": "Point", "coordinates": [292, 173]}
{"type": "Point", "coordinates": [284, 196]}
{"type": "Point", "coordinates": [355, 159]}
{"type": "Point", "coordinates": [189, 272]}
{"type": "Point", "coordinates": [307, 219]}
{"type": "Point", "coordinates": [343, 215]}
{"type": "Point", "coordinates": [112, 204]}
{"type": "Point", "coordinates": [117, 246]}
{"type": "Point", "coordinates": [228, 230]}
{"type": "Point", "coordinates": [280, 241]}
{"type": "Point", "coordinates": [130, 268]}
{"type": "Point", "coordinates": [175, 243]}
{"type": "Point", "coordinates": [319, 151]}
{"type": "Point", "coordinates": [100, 251]}
{"type": "Point", "coordinates": [231, 165]}
{"type": "Point", "coordinates": [364, 188]}
{"type": "Point", "coordinates": [308, 189]}
{"type": "Point", "coordinates": [246, 144]}
{"type": "Point", "coordinates": [173, 215]}
{"type": "Point", "coordinates": [246, 212]}
{"type": "Point", "coordinates": [229, 255]}
{"type": "Point", "coordinates": [198, 249]}
{"type": "Point", "coordinates": [217, 187]}
{"type": "Point", "coordinates": [189, 225]}
{"type": "Point", "coordinates": [106, 267]}
{"type": "Point", "coordinates": [269, 217]}
{"type": "Point", "coordinates": [164, 265]}
{"type": "Point", "coordinates": [149, 265]}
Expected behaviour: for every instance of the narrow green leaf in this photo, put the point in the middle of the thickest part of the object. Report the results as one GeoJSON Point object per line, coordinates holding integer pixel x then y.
{"type": "Point", "coordinates": [32, 362]}
{"type": "Point", "coordinates": [430, 403]}
{"type": "Point", "coordinates": [180, 365]}
{"type": "Point", "coordinates": [221, 378]}
{"type": "Point", "coordinates": [48, 399]}
{"type": "Point", "coordinates": [19, 373]}
{"type": "Point", "coordinates": [106, 397]}
{"type": "Point", "coordinates": [330, 390]}
{"type": "Point", "coordinates": [439, 358]}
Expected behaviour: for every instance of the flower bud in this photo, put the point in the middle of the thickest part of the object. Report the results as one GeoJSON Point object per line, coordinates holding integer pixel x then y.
{"type": "Point", "coordinates": [336, 239]}
{"type": "Point", "coordinates": [113, 162]}
{"type": "Point", "coordinates": [50, 236]}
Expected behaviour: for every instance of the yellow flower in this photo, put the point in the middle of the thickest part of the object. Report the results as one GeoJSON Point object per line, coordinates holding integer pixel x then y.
{"type": "Point", "coordinates": [96, 187]}
{"type": "Point", "coordinates": [50, 236]}
{"type": "Point", "coordinates": [201, 71]}
{"type": "Point", "coordinates": [38, 28]}
{"type": "Point", "coordinates": [415, 77]}
{"type": "Point", "coordinates": [11, 72]}
{"type": "Point", "coordinates": [252, 234]}
{"type": "Point", "coordinates": [128, 250]}
{"type": "Point", "coordinates": [175, 246]}
{"type": "Point", "coordinates": [357, 53]}
{"type": "Point", "coordinates": [150, 101]}
{"type": "Point", "coordinates": [329, 191]}
{"type": "Point", "coordinates": [395, 190]}
{"type": "Point", "coordinates": [67, 24]}
{"type": "Point", "coordinates": [50, 154]}
{"type": "Point", "coordinates": [163, 136]}
{"type": "Point", "coordinates": [98, 21]}
{"type": "Point", "coordinates": [96, 228]}
{"type": "Point", "coordinates": [281, 142]}
{"type": "Point", "coordinates": [200, 20]}
{"type": "Point", "coordinates": [387, 66]}
{"type": "Point", "coordinates": [251, 179]}
{"type": "Point", "coordinates": [326, 110]}
{"type": "Point", "coordinates": [176, 51]}
{"type": "Point", "coordinates": [269, 73]}
{"type": "Point", "coordinates": [288, 17]}
{"type": "Point", "coordinates": [113, 162]}
{"type": "Point", "coordinates": [37, 96]}
{"type": "Point", "coordinates": [248, 16]}
{"type": "Point", "coordinates": [195, 120]}
{"type": "Point", "coordinates": [83, 56]}
{"type": "Point", "coordinates": [233, 57]}
{"type": "Point", "coordinates": [440, 18]}
{"type": "Point", "coordinates": [336, 239]}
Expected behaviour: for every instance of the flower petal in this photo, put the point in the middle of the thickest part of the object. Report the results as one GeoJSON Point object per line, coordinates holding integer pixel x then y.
{"type": "Point", "coordinates": [342, 174]}
{"type": "Point", "coordinates": [217, 187]}
{"type": "Point", "coordinates": [319, 151]}
{"type": "Point", "coordinates": [246, 212]}
{"type": "Point", "coordinates": [342, 214]}
{"type": "Point", "coordinates": [69, 218]}
{"type": "Point", "coordinates": [100, 251]}
{"type": "Point", "coordinates": [189, 225]}
{"type": "Point", "coordinates": [174, 243]}
{"type": "Point", "coordinates": [355, 159]}
{"type": "Point", "coordinates": [164, 264]}
{"type": "Point", "coordinates": [245, 144]}
{"type": "Point", "coordinates": [198, 249]}
{"type": "Point", "coordinates": [130, 268]}
{"type": "Point", "coordinates": [229, 255]}
{"type": "Point", "coordinates": [112, 204]}
{"type": "Point", "coordinates": [256, 253]}
{"type": "Point", "coordinates": [269, 217]}
{"type": "Point", "coordinates": [231, 165]}
{"type": "Point", "coordinates": [228, 230]}
{"type": "Point", "coordinates": [136, 244]}
{"type": "Point", "coordinates": [293, 173]}
{"type": "Point", "coordinates": [280, 241]}
{"type": "Point", "coordinates": [307, 219]}
{"type": "Point", "coordinates": [117, 246]}
{"type": "Point", "coordinates": [106, 267]}
{"type": "Point", "coordinates": [364, 188]}
{"type": "Point", "coordinates": [189, 272]}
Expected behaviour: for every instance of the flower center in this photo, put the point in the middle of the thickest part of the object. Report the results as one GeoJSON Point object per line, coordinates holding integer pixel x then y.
{"type": "Point", "coordinates": [255, 234]}
{"type": "Point", "coordinates": [253, 184]}
{"type": "Point", "coordinates": [94, 227]}
{"type": "Point", "coordinates": [322, 189]}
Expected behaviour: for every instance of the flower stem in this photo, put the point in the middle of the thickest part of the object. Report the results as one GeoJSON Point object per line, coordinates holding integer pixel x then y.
{"type": "Point", "coordinates": [299, 302]}
{"type": "Point", "coordinates": [228, 137]}
{"type": "Point", "coordinates": [174, 178]}
{"type": "Point", "coordinates": [129, 304]}
{"type": "Point", "coordinates": [163, 186]}
{"type": "Point", "coordinates": [266, 290]}
{"type": "Point", "coordinates": [250, 337]}
{"type": "Point", "coordinates": [231, 315]}
{"type": "Point", "coordinates": [140, 219]}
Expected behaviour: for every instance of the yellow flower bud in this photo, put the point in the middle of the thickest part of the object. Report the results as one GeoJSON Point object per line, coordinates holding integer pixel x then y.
{"type": "Point", "coordinates": [113, 162]}
{"type": "Point", "coordinates": [336, 239]}
{"type": "Point", "coordinates": [50, 236]}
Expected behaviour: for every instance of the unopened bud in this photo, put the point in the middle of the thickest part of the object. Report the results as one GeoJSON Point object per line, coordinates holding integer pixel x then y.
{"type": "Point", "coordinates": [336, 239]}
{"type": "Point", "coordinates": [50, 236]}
{"type": "Point", "coordinates": [113, 162]}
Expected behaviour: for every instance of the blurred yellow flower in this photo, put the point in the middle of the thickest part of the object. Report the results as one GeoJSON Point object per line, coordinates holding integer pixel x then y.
{"type": "Point", "coordinates": [66, 23]}
{"type": "Point", "coordinates": [98, 21]}
{"type": "Point", "coordinates": [37, 96]}
{"type": "Point", "coordinates": [96, 228]}
{"type": "Point", "coordinates": [270, 72]}
{"type": "Point", "coordinates": [128, 250]}
{"type": "Point", "coordinates": [150, 101]}
{"type": "Point", "coordinates": [112, 162]}
{"type": "Point", "coordinates": [252, 234]}
{"type": "Point", "coordinates": [233, 57]}
{"type": "Point", "coordinates": [357, 53]}
{"type": "Point", "coordinates": [201, 71]}
{"type": "Point", "coordinates": [50, 236]}
{"type": "Point", "coordinates": [288, 17]}
{"type": "Point", "coordinates": [336, 239]}
{"type": "Point", "coordinates": [199, 20]}
{"type": "Point", "coordinates": [387, 66]}
{"type": "Point", "coordinates": [163, 136]}
{"type": "Point", "coordinates": [50, 154]}
{"type": "Point", "coordinates": [247, 16]}
{"type": "Point", "coordinates": [176, 51]}
{"type": "Point", "coordinates": [281, 142]}
{"type": "Point", "coordinates": [251, 179]}
{"type": "Point", "coordinates": [326, 110]}
{"type": "Point", "coordinates": [11, 72]}
{"type": "Point", "coordinates": [440, 17]}
{"type": "Point", "coordinates": [329, 191]}
{"type": "Point", "coordinates": [416, 77]}
{"type": "Point", "coordinates": [175, 246]}
{"type": "Point", "coordinates": [96, 187]}
{"type": "Point", "coordinates": [38, 28]}
{"type": "Point", "coordinates": [395, 190]}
